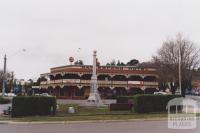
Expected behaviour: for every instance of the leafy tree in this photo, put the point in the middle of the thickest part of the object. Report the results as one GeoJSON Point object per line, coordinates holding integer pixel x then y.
{"type": "Point", "coordinates": [79, 62]}
{"type": "Point", "coordinates": [133, 62]}
{"type": "Point", "coordinates": [113, 62]}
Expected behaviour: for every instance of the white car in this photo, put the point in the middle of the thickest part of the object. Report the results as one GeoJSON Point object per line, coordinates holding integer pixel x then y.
{"type": "Point", "coordinates": [45, 94]}
{"type": "Point", "coordinates": [5, 94]}
{"type": "Point", "coordinates": [160, 93]}
{"type": "Point", "coordinates": [11, 95]}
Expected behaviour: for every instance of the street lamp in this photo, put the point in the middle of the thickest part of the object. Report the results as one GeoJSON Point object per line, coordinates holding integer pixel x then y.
{"type": "Point", "coordinates": [5, 72]}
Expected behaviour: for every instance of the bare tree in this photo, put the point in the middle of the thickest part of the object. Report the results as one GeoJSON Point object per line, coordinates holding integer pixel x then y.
{"type": "Point", "coordinates": [167, 61]}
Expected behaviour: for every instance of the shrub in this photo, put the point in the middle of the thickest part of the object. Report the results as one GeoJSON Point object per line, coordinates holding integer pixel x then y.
{"type": "Point", "coordinates": [151, 103]}
{"type": "Point", "coordinates": [33, 105]}
{"type": "Point", "coordinates": [121, 107]}
{"type": "Point", "coordinates": [122, 99]}
{"type": "Point", "coordinates": [4, 100]}
{"type": "Point", "coordinates": [126, 99]}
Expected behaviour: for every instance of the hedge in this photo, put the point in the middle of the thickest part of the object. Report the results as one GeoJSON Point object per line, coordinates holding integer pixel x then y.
{"type": "Point", "coordinates": [150, 103]}
{"type": "Point", "coordinates": [33, 105]}
{"type": "Point", "coordinates": [126, 99]}
{"type": "Point", "coordinates": [121, 107]}
{"type": "Point", "coordinates": [123, 99]}
{"type": "Point", "coordinates": [4, 100]}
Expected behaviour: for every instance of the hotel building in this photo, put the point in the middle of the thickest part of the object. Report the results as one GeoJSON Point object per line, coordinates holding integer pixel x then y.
{"type": "Point", "coordinates": [73, 81]}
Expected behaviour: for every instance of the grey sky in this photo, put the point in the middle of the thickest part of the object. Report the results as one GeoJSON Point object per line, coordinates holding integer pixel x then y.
{"type": "Point", "coordinates": [53, 30]}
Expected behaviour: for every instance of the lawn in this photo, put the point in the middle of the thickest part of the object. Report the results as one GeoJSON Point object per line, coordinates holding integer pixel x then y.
{"type": "Point", "coordinates": [88, 114]}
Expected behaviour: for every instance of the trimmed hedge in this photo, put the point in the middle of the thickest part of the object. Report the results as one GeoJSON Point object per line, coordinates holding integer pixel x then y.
{"type": "Point", "coordinates": [33, 105]}
{"type": "Point", "coordinates": [121, 107]}
{"type": "Point", "coordinates": [122, 99]}
{"type": "Point", "coordinates": [126, 99]}
{"type": "Point", "coordinates": [152, 103]}
{"type": "Point", "coordinates": [4, 100]}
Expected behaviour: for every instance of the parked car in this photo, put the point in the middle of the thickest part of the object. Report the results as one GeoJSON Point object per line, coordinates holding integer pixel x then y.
{"type": "Point", "coordinates": [5, 94]}
{"type": "Point", "coordinates": [45, 94]}
{"type": "Point", "coordinates": [11, 95]}
{"type": "Point", "coordinates": [160, 93]}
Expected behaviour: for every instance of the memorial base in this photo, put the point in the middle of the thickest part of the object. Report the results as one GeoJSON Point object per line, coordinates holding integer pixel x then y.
{"type": "Point", "coordinates": [94, 100]}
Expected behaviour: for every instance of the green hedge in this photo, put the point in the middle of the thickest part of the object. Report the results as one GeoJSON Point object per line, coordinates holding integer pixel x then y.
{"type": "Point", "coordinates": [152, 103]}
{"type": "Point", "coordinates": [126, 99]}
{"type": "Point", "coordinates": [121, 107]}
{"type": "Point", "coordinates": [33, 105]}
{"type": "Point", "coordinates": [123, 99]}
{"type": "Point", "coordinates": [4, 100]}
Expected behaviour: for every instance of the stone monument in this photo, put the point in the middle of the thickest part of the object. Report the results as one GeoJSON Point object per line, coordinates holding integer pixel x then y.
{"type": "Point", "coordinates": [94, 97]}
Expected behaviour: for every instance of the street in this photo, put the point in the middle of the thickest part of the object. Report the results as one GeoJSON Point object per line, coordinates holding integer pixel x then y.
{"type": "Point", "coordinates": [101, 127]}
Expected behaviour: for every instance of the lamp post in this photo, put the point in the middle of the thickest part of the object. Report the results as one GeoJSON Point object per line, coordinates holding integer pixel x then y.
{"type": "Point", "coordinates": [5, 72]}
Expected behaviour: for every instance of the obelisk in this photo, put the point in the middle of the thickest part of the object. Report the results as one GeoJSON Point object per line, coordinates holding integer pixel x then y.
{"type": "Point", "coordinates": [94, 97]}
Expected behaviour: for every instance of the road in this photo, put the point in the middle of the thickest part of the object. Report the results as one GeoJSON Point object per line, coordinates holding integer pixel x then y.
{"type": "Point", "coordinates": [100, 127]}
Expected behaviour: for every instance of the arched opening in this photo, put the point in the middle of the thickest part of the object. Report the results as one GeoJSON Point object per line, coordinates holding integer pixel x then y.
{"type": "Point", "coordinates": [79, 93]}
{"type": "Point", "coordinates": [86, 77]}
{"type": "Point", "coordinates": [105, 92]}
{"type": "Point", "coordinates": [43, 79]}
{"type": "Point", "coordinates": [135, 91]}
{"type": "Point", "coordinates": [119, 78]}
{"type": "Point", "coordinates": [150, 90]}
{"type": "Point", "coordinates": [104, 77]}
{"type": "Point", "coordinates": [51, 77]}
{"type": "Point", "coordinates": [57, 91]}
{"type": "Point", "coordinates": [71, 76]}
{"type": "Point", "coordinates": [58, 77]}
{"type": "Point", "coordinates": [135, 78]}
{"type": "Point", "coordinates": [43, 90]}
{"type": "Point", "coordinates": [50, 90]}
{"type": "Point", "coordinates": [71, 92]}
{"type": "Point", "coordinates": [119, 91]}
{"type": "Point", "coordinates": [86, 91]}
{"type": "Point", "coordinates": [150, 78]}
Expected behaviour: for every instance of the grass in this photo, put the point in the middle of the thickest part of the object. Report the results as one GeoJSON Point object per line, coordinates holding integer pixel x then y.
{"type": "Point", "coordinates": [89, 117]}
{"type": "Point", "coordinates": [88, 114]}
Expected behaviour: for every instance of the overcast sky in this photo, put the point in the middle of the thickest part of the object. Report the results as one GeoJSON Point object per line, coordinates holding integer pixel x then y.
{"type": "Point", "coordinates": [53, 30]}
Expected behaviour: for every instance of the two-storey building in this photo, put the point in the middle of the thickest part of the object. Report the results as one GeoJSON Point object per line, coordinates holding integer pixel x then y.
{"type": "Point", "coordinates": [73, 81]}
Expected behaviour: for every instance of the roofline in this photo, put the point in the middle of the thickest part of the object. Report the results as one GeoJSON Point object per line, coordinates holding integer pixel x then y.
{"type": "Point", "coordinates": [100, 66]}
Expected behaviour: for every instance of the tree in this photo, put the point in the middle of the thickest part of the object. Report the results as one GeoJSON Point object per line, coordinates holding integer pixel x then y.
{"type": "Point", "coordinates": [167, 61]}
{"type": "Point", "coordinates": [113, 62]}
{"type": "Point", "coordinates": [79, 62]}
{"type": "Point", "coordinates": [133, 62]}
{"type": "Point", "coordinates": [119, 63]}
{"type": "Point", "coordinates": [28, 86]}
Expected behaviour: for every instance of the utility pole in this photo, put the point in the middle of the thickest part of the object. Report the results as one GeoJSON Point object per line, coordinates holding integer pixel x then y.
{"type": "Point", "coordinates": [4, 77]}
{"type": "Point", "coordinates": [180, 78]}
{"type": "Point", "coordinates": [12, 82]}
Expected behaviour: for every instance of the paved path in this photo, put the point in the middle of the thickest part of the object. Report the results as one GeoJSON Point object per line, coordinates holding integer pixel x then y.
{"type": "Point", "coordinates": [103, 127]}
